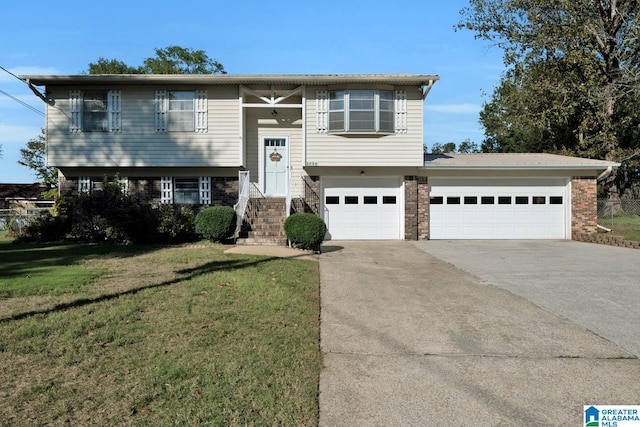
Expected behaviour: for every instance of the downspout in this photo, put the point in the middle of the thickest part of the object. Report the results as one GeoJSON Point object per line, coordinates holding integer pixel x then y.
{"type": "Point", "coordinates": [603, 175]}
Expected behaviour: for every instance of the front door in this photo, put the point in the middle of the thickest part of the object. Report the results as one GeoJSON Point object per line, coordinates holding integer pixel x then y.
{"type": "Point", "coordinates": [275, 166]}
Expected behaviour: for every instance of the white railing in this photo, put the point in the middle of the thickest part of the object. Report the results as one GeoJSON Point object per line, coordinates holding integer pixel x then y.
{"type": "Point", "coordinates": [244, 186]}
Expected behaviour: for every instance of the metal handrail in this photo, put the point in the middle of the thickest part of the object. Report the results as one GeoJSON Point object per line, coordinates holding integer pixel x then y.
{"type": "Point", "coordinates": [243, 199]}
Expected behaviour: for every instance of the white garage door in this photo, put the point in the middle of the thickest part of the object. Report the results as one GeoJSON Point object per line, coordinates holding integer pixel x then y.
{"type": "Point", "coordinates": [362, 208]}
{"type": "Point", "coordinates": [498, 209]}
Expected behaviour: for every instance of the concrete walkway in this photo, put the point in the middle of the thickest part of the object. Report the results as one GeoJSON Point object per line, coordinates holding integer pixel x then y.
{"type": "Point", "coordinates": [408, 339]}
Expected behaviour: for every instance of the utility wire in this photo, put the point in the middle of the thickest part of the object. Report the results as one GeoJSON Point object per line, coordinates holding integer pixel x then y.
{"type": "Point", "coordinates": [24, 104]}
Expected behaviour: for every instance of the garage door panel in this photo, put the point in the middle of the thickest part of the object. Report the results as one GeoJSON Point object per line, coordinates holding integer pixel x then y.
{"type": "Point", "coordinates": [514, 209]}
{"type": "Point", "coordinates": [376, 215]}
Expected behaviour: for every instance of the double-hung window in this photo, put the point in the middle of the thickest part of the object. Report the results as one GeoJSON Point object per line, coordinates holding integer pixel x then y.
{"type": "Point", "coordinates": [95, 111]}
{"type": "Point", "coordinates": [181, 111]}
{"type": "Point", "coordinates": [361, 110]}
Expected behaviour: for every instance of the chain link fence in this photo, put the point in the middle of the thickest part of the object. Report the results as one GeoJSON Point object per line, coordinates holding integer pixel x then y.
{"type": "Point", "coordinates": [621, 216]}
{"type": "Point", "coordinates": [15, 219]}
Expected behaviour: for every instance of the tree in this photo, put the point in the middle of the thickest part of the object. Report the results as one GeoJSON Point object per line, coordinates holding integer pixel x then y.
{"type": "Point", "coordinates": [111, 66]}
{"type": "Point", "coordinates": [33, 157]}
{"type": "Point", "coordinates": [571, 84]}
{"type": "Point", "coordinates": [168, 60]}
{"type": "Point", "coordinates": [466, 146]}
{"type": "Point", "coordinates": [179, 60]}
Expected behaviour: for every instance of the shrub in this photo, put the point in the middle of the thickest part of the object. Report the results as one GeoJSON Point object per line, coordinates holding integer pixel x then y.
{"type": "Point", "coordinates": [46, 228]}
{"type": "Point", "coordinates": [305, 230]}
{"type": "Point", "coordinates": [175, 224]}
{"type": "Point", "coordinates": [216, 223]}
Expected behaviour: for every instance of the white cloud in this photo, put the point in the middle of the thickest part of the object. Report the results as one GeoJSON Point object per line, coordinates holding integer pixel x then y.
{"type": "Point", "coordinates": [466, 108]}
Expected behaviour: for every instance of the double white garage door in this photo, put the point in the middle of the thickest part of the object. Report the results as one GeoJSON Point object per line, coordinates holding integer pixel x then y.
{"type": "Point", "coordinates": [362, 208]}
{"type": "Point", "coordinates": [498, 209]}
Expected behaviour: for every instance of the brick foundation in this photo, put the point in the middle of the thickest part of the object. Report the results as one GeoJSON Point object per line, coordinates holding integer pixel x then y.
{"type": "Point", "coordinates": [606, 239]}
{"type": "Point", "coordinates": [584, 206]}
{"type": "Point", "coordinates": [224, 190]}
{"type": "Point", "coordinates": [423, 208]}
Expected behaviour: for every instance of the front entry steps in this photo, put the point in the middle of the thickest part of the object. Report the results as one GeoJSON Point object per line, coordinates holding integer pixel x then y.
{"type": "Point", "coordinates": [264, 222]}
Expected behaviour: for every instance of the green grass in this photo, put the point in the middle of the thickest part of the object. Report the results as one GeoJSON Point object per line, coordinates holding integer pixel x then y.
{"type": "Point", "coordinates": [625, 226]}
{"type": "Point", "coordinates": [156, 336]}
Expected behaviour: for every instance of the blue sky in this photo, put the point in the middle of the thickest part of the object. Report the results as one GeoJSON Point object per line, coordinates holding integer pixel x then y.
{"type": "Point", "coordinates": [247, 37]}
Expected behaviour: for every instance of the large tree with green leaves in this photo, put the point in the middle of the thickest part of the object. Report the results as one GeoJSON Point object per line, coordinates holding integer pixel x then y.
{"type": "Point", "coordinates": [168, 60]}
{"type": "Point", "coordinates": [572, 76]}
{"type": "Point", "coordinates": [33, 157]}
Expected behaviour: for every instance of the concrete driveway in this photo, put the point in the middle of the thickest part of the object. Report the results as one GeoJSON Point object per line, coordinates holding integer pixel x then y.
{"type": "Point", "coordinates": [408, 339]}
{"type": "Point", "coordinates": [595, 286]}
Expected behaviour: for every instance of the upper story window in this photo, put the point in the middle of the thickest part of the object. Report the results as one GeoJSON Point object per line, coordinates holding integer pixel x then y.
{"type": "Point", "coordinates": [95, 111]}
{"type": "Point", "coordinates": [361, 111]}
{"type": "Point", "coordinates": [181, 111]}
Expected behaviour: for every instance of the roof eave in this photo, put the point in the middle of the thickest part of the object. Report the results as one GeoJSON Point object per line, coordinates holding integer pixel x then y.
{"type": "Point", "coordinates": [521, 167]}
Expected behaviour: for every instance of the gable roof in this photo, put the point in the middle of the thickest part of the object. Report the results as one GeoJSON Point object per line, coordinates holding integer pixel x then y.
{"type": "Point", "coordinates": [417, 80]}
{"type": "Point", "coordinates": [520, 161]}
{"type": "Point", "coordinates": [22, 191]}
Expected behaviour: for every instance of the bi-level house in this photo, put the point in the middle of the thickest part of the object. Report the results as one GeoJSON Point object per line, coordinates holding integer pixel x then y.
{"type": "Point", "coordinates": [348, 148]}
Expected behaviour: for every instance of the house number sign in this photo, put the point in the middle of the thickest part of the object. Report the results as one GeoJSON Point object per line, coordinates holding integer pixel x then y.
{"type": "Point", "coordinates": [275, 156]}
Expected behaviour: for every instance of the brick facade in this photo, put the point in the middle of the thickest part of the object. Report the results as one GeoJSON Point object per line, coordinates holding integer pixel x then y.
{"type": "Point", "coordinates": [423, 208]}
{"type": "Point", "coordinates": [416, 208]}
{"type": "Point", "coordinates": [411, 208]}
{"type": "Point", "coordinates": [584, 206]}
{"type": "Point", "coordinates": [224, 190]}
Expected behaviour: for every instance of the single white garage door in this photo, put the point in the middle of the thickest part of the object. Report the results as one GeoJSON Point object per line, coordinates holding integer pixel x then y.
{"type": "Point", "coordinates": [498, 209]}
{"type": "Point", "coordinates": [360, 208]}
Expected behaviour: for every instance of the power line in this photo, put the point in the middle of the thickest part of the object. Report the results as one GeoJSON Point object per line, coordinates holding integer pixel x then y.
{"type": "Point", "coordinates": [24, 104]}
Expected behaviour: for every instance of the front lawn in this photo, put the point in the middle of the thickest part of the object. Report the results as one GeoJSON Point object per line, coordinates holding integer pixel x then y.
{"type": "Point", "coordinates": [188, 335]}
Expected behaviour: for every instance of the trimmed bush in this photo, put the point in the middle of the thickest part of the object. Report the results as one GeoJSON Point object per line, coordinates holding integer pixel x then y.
{"type": "Point", "coordinates": [216, 223]}
{"type": "Point", "coordinates": [175, 224]}
{"type": "Point", "coordinates": [305, 230]}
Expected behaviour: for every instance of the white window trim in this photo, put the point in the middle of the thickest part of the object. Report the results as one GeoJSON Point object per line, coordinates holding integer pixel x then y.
{"type": "Point", "coordinates": [200, 111]}
{"type": "Point", "coordinates": [166, 190]}
{"type": "Point", "coordinates": [114, 110]}
{"type": "Point", "coordinates": [401, 111]}
{"type": "Point", "coordinates": [322, 111]}
{"type": "Point", "coordinates": [346, 113]}
{"type": "Point", "coordinates": [84, 185]}
{"type": "Point", "coordinates": [204, 183]}
{"type": "Point", "coordinates": [167, 187]}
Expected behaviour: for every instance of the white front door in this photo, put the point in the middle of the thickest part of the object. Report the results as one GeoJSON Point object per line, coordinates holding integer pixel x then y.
{"type": "Point", "coordinates": [275, 166]}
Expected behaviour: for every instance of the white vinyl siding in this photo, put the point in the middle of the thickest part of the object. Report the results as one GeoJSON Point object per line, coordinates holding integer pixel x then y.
{"type": "Point", "coordinates": [141, 141]}
{"type": "Point", "coordinates": [402, 148]}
